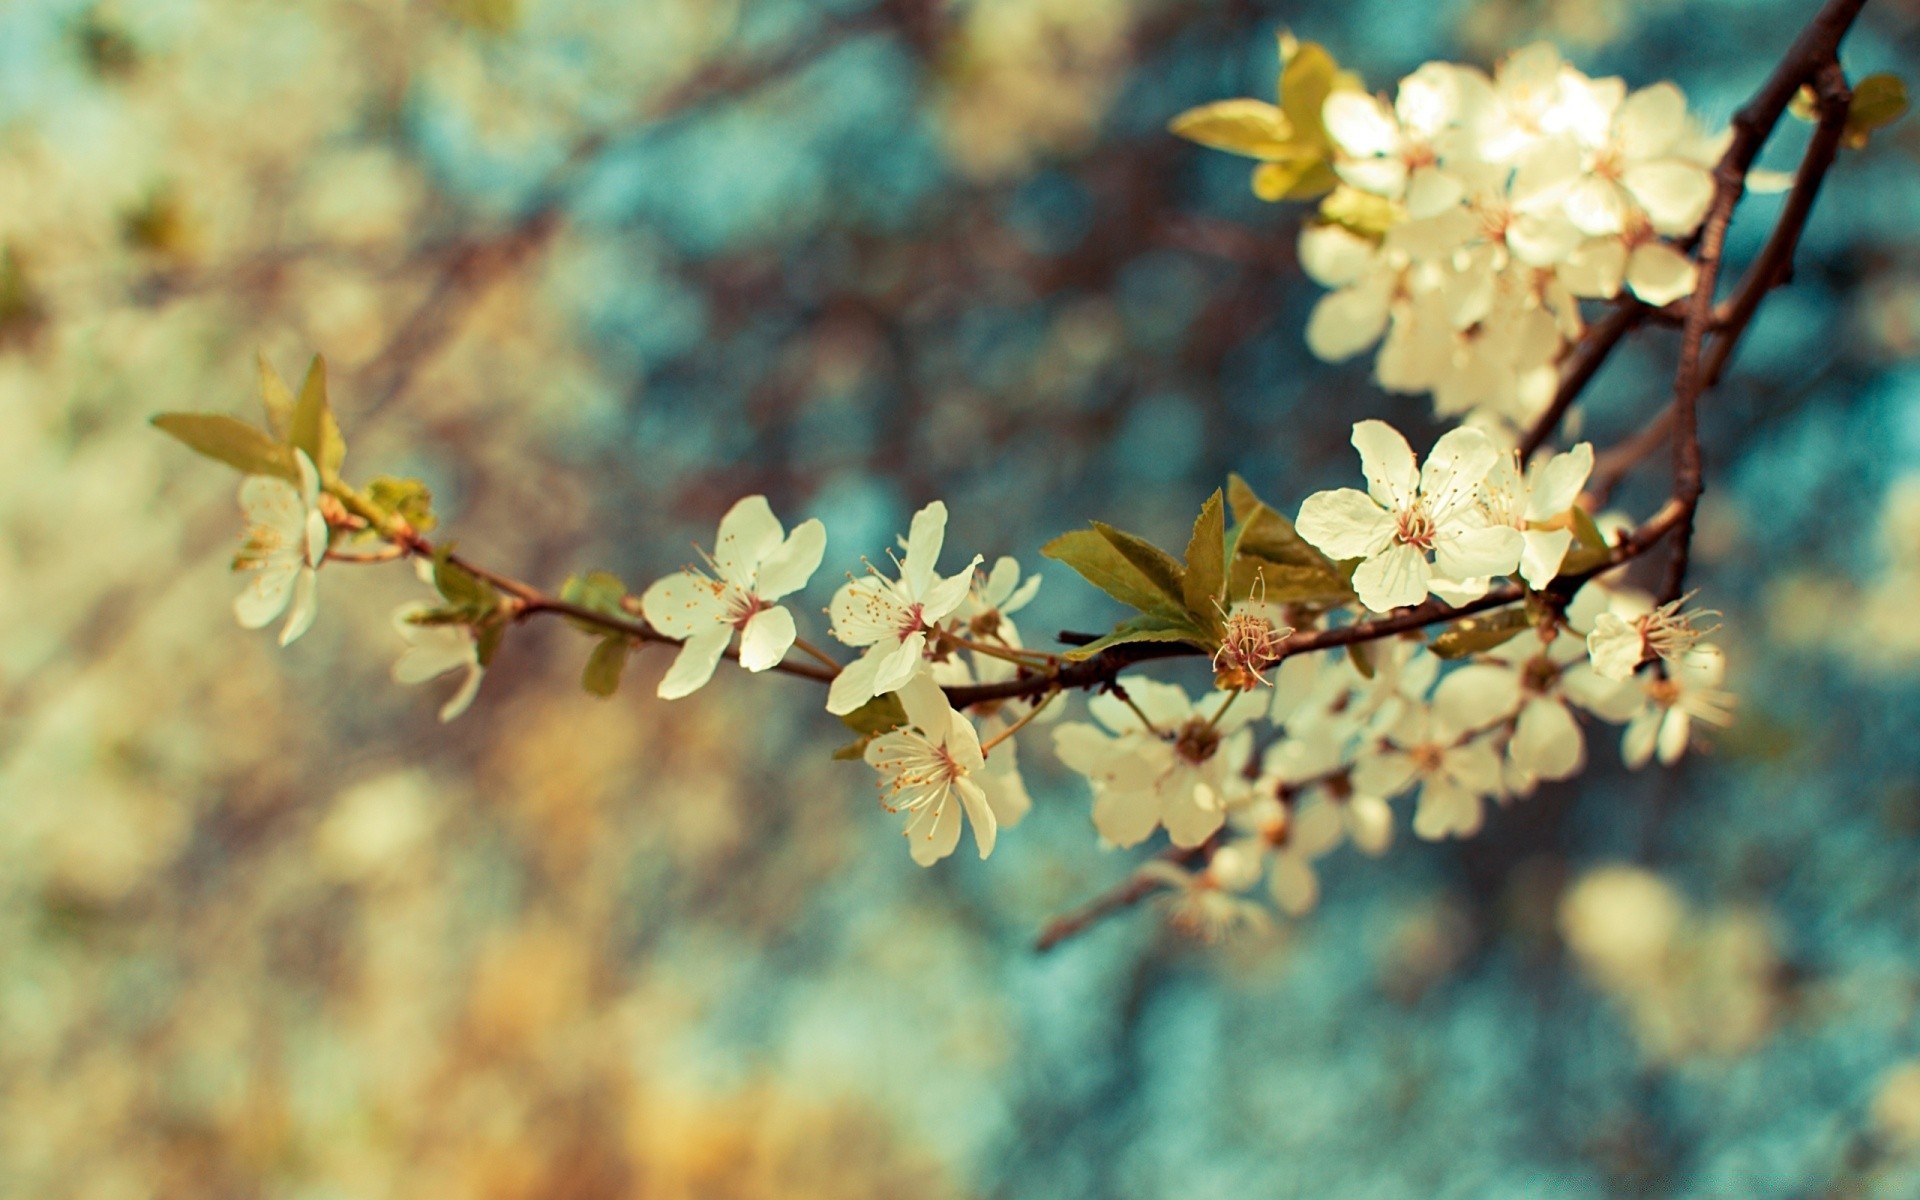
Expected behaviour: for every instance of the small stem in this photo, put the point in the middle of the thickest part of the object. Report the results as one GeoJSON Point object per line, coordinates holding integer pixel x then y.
{"type": "Point", "coordinates": [1128, 701]}
{"type": "Point", "coordinates": [806, 647]}
{"type": "Point", "coordinates": [1025, 658]}
{"type": "Point", "coordinates": [1214, 721]}
{"type": "Point", "coordinates": [987, 746]}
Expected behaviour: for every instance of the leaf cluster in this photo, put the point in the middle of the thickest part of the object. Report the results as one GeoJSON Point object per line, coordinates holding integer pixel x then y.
{"type": "Point", "coordinates": [1288, 138]}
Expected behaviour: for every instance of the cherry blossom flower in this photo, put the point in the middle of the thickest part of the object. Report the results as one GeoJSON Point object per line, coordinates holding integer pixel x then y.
{"type": "Point", "coordinates": [1689, 691]}
{"type": "Point", "coordinates": [285, 543]}
{"type": "Point", "coordinates": [993, 598]}
{"type": "Point", "coordinates": [1177, 767]}
{"type": "Point", "coordinates": [892, 618]}
{"type": "Point", "coordinates": [755, 562]}
{"type": "Point", "coordinates": [933, 770]}
{"type": "Point", "coordinates": [1539, 684]}
{"type": "Point", "coordinates": [434, 650]}
{"type": "Point", "coordinates": [1537, 504]}
{"type": "Point", "coordinates": [1439, 750]}
{"type": "Point", "coordinates": [1208, 904]}
{"type": "Point", "coordinates": [1407, 513]}
{"type": "Point", "coordinates": [1634, 631]}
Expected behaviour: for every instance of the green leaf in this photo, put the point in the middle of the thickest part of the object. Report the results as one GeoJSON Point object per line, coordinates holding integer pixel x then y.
{"type": "Point", "coordinates": [407, 499]}
{"type": "Point", "coordinates": [1474, 635]}
{"type": "Point", "coordinates": [1308, 77]}
{"type": "Point", "coordinates": [1359, 212]}
{"type": "Point", "coordinates": [486, 641]}
{"type": "Point", "coordinates": [313, 428]}
{"type": "Point", "coordinates": [1204, 583]}
{"type": "Point", "coordinates": [1162, 570]}
{"type": "Point", "coordinates": [602, 675]}
{"type": "Point", "coordinates": [229, 440]}
{"type": "Point", "coordinates": [876, 716]}
{"type": "Point", "coordinates": [1250, 127]}
{"type": "Point", "coordinates": [1878, 101]}
{"type": "Point", "coordinates": [465, 591]}
{"type": "Point", "coordinates": [1286, 583]}
{"type": "Point", "coordinates": [276, 398]}
{"type": "Point", "coordinates": [879, 715]}
{"type": "Point", "coordinates": [1146, 629]}
{"type": "Point", "coordinates": [1100, 563]}
{"type": "Point", "coordinates": [1299, 178]}
{"type": "Point", "coordinates": [600, 591]}
{"type": "Point", "coordinates": [1261, 532]}
{"type": "Point", "coordinates": [1361, 656]}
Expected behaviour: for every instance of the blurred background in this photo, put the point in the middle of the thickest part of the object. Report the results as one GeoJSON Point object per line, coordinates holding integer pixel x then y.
{"type": "Point", "coordinates": [595, 269]}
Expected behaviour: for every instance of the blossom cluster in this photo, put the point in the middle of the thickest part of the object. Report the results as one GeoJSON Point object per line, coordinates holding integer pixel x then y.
{"type": "Point", "coordinates": [1472, 213]}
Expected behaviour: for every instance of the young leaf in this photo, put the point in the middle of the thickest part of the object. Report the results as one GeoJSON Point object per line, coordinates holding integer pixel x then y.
{"type": "Point", "coordinates": [604, 665]}
{"type": "Point", "coordinates": [1250, 127]}
{"type": "Point", "coordinates": [1476, 634]}
{"type": "Point", "coordinates": [276, 398]}
{"type": "Point", "coordinates": [1359, 212]}
{"type": "Point", "coordinates": [1146, 629]}
{"type": "Point", "coordinates": [1308, 77]}
{"type": "Point", "coordinates": [1261, 532]}
{"type": "Point", "coordinates": [486, 641]}
{"type": "Point", "coordinates": [1878, 101]}
{"type": "Point", "coordinates": [229, 440]}
{"type": "Point", "coordinates": [313, 428]}
{"type": "Point", "coordinates": [876, 716]}
{"type": "Point", "coordinates": [1361, 656]}
{"type": "Point", "coordinates": [461, 588]}
{"type": "Point", "coordinates": [1286, 583]}
{"type": "Point", "coordinates": [1204, 583]}
{"type": "Point", "coordinates": [407, 499]}
{"type": "Point", "coordinates": [1105, 567]}
{"type": "Point", "coordinates": [600, 591]}
{"type": "Point", "coordinates": [1161, 568]}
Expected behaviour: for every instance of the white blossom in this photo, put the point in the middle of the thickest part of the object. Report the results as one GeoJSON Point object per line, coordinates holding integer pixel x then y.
{"type": "Point", "coordinates": [755, 562]}
{"type": "Point", "coordinates": [1689, 691]}
{"type": "Point", "coordinates": [1179, 767]}
{"type": "Point", "coordinates": [1208, 903]}
{"type": "Point", "coordinates": [1407, 513]}
{"type": "Point", "coordinates": [891, 618]}
{"type": "Point", "coordinates": [434, 650]}
{"type": "Point", "coordinates": [285, 543]}
{"type": "Point", "coordinates": [1634, 631]}
{"type": "Point", "coordinates": [1440, 750]}
{"type": "Point", "coordinates": [1539, 504]}
{"type": "Point", "coordinates": [933, 770]}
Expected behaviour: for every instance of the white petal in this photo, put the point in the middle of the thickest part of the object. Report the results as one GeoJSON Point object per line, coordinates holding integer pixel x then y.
{"type": "Point", "coordinates": [766, 639]}
{"type": "Point", "coordinates": [864, 612]}
{"type": "Point", "coordinates": [1333, 256]}
{"type": "Point", "coordinates": [1346, 322]}
{"type": "Point", "coordinates": [1475, 553]}
{"type": "Point", "coordinates": [1387, 462]}
{"type": "Point", "coordinates": [1674, 732]}
{"type": "Point", "coordinates": [1385, 774]}
{"type": "Point", "coordinates": [305, 605]}
{"type": "Point", "coordinates": [1371, 824]}
{"type": "Point", "coordinates": [1126, 817]}
{"type": "Point", "coordinates": [942, 598]}
{"type": "Point", "coordinates": [1431, 192]}
{"type": "Point", "coordinates": [1473, 697]}
{"type": "Point", "coordinates": [1596, 269]}
{"type": "Point", "coordinates": [1541, 554]}
{"type": "Point", "coordinates": [1446, 811]}
{"type": "Point", "coordinates": [1554, 487]}
{"type": "Point", "coordinates": [787, 568]}
{"type": "Point", "coordinates": [897, 665]}
{"type": "Point", "coordinates": [1345, 523]}
{"type": "Point", "coordinates": [1675, 194]}
{"type": "Point", "coordinates": [1295, 887]}
{"type": "Point", "coordinates": [853, 686]}
{"type": "Point", "coordinates": [934, 836]}
{"type": "Point", "coordinates": [1659, 274]}
{"type": "Point", "coordinates": [924, 538]}
{"type": "Point", "coordinates": [1393, 578]}
{"type": "Point", "coordinates": [1616, 647]}
{"type": "Point", "coordinates": [462, 700]}
{"type": "Point", "coordinates": [693, 666]}
{"type": "Point", "coordinates": [1650, 121]}
{"type": "Point", "coordinates": [1189, 818]}
{"type": "Point", "coordinates": [683, 604]}
{"type": "Point", "coordinates": [986, 827]}
{"type": "Point", "coordinates": [1636, 745]}
{"type": "Point", "coordinates": [1360, 124]}
{"type": "Point", "coordinates": [1455, 468]}
{"type": "Point", "coordinates": [1597, 207]}
{"type": "Point", "coordinates": [748, 533]}
{"type": "Point", "coordinates": [265, 596]}
{"type": "Point", "coordinates": [1546, 740]}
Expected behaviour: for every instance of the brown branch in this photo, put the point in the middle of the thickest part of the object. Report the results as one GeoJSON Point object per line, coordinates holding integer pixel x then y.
{"type": "Point", "coordinates": [1589, 355]}
{"type": "Point", "coordinates": [1133, 890]}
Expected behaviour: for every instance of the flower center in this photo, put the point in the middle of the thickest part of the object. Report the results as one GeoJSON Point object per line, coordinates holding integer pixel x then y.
{"type": "Point", "coordinates": [1196, 741]}
{"type": "Point", "coordinates": [912, 621]}
{"type": "Point", "coordinates": [1539, 675]}
{"type": "Point", "coordinates": [1415, 527]}
{"type": "Point", "coordinates": [1428, 757]}
{"type": "Point", "coordinates": [1251, 645]}
{"type": "Point", "coordinates": [742, 606]}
